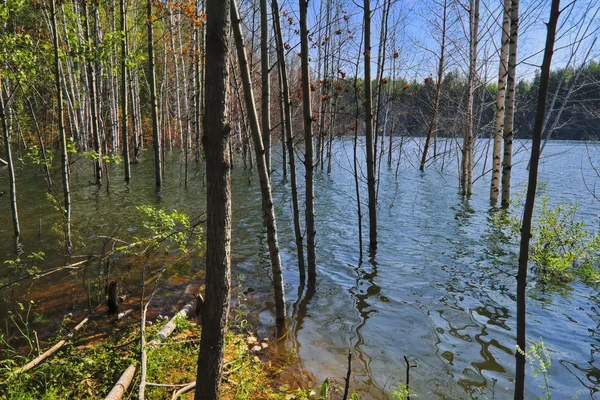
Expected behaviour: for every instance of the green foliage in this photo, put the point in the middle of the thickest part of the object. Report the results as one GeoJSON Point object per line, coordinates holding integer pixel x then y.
{"type": "Point", "coordinates": [401, 392]}
{"type": "Point", "coordinates": [561, 246]}
{"type": "Point", "coordinates": [34, 154]}
{"type": "Point", "coordinates": [540, 362]}
{"type": "Point", "coordinates": [164, 228]}
{"type": "Point", "coordinates": [27, 265]}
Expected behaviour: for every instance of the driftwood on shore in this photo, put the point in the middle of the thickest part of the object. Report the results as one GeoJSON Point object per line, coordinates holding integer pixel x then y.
{"type": "Point", "coordinates": [39, 359]}
{"type": "Point", "coordinates": [125, 380]}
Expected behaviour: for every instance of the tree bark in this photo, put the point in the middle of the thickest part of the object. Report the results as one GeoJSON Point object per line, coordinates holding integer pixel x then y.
{"type": "Point", "coordinates": [467, 156]}
{"type": "Point", "coordinates": [500, 99]}
{"type": "Point", "coordinates": [308, 146]}
{"type": "Point", "coordinates": [510, 103]}
{"type": "Point", "coordinates": [269, 219]}
{"type": "Point", "coordinates": [215, 309]}
{"type": "Point", "coordinates": [530, 201]}
{"type": "Point", "coordinates": [371, 184]}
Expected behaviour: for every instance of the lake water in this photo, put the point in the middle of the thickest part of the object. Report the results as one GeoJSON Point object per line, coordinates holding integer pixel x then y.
{"type": "Point", "coordinates": [439, 290]}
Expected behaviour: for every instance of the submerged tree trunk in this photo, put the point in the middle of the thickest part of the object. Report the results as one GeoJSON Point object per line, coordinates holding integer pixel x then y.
{"type": "Point", "coordinates": [66, 211]}
{"type": "Point", "coordinates": [467, 156]}
{"type": "Point", "coordinates": [156, 136]}
{"type": "Point", "coordinates": [287, 121]}
{"type": "Point", "coordinates": [9, 162]}
{"type": "Point", "coordinates": [308, 146]}
{"type": "Point", "coordinates": [215, 310]}
{"type": "Point", "coordinates": [510, 103]}
{"type": "Point", "coordinates": [530, 201]}
{"type": "Point", "coordinates": [263, 173]}
{"type": "Point", "coordinates": [371, 184]}
{"type": "Point", "coordinates": [500, 99]}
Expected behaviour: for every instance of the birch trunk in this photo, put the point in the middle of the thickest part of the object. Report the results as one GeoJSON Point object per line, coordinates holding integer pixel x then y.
{"type": "Point", "coordinates": [510, 103]}
{"type": "Point", "coordinates": [124, 116]}
{"type": "Point", "coordinates": [9, 160]}
{"type": "Point", "coordinates": [156, 136]}
{"type": "Point", "coordinates": [500, 99]}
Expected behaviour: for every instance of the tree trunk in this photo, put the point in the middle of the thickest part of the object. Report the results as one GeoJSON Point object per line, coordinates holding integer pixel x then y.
{"type": "Point", "coordinates": [62, 135]}
{"type": "Point", "coordinates": [500, 98]}
{"type": "Point", "coordinates": [289, 139]}
{"type": "Point", "coordinates": [215, 309]}
{"type": "Point", "coordinates": [510, 103]}
{"type": "Point", "coordinates": [371, 184]}
{"type": "Point", "coordinates": [266, 90]}
{"type": "Point", "coordinates": [263, 172]}
{"type": "Point", "coordinates": [308, 146]}
{"type": "Point", "coordinates": [438, 89]}
{"type": "Point", "coordinates": [125, 136]}
{"type": "Point", "coordinates": [156, 136]}
{"type": "Point", "coordinates": [9, 161]}
{"type": "Point", "coordinates": [93, 93]}
{"type": "Point", "coordinates": [467, 156]}
{"type": "Point", "coordinates": [530, 201]}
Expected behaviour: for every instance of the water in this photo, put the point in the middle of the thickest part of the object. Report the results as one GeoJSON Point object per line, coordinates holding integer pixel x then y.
{"type": "Point", "coordinates": [439, 290]}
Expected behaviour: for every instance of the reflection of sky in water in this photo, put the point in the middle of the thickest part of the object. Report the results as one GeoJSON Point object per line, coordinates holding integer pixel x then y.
{"type": "Point", "coordinates": [439, 290]}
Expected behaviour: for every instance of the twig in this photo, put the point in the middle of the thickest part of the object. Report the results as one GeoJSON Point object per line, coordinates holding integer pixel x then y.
{"type": "Point", "coordinates": [347, 388]}
{"type": "Point", "coordinates": [174, 385]}
{"type": "Point", "coordinates": [50, 351]}
{"type": "Point", "coordinates": [183, 390]}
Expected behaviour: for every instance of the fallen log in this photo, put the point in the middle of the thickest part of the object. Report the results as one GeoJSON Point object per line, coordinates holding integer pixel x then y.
{"type": "Point", "coordinates": [38, 360]}
{"type": "Point", "coordinates": [122, 384]}
{"type": "Point", "coordinates": [125, 380]}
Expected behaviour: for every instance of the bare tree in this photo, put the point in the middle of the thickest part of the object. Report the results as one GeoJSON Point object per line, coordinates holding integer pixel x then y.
{"type": "Point", "coordinates": [215, 310]}
{"type": "Point", "coordinates": [530, 201]}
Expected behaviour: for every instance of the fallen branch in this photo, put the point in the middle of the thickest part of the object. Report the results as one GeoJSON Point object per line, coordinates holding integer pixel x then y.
{"type": "Point", "coordinates": [119, 389]}
{"type": "Point", "coordinates": [45, 273]}
{"type": "Point", "coordinates": [2, 162]}
{"type": "Point", "coordinates": [171, 325]}
{"type": "Point", "coordinates": [183, 390]}
{"type": "Point", "coordinates": [38, 360]}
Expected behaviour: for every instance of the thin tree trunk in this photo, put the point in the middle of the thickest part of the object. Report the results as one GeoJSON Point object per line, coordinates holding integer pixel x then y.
{"type": "Point", "coordinates": [500, 98]}
{"type": "Point", "coordinates": [63, 137]}
{"type": "Point", "coordinates": [290, 140]}
{"type": "Point", "coordinates": [510, 103]}
{"type": "Point", "coordinates": [266, 90]}
{"type": "Point", "coordinates": [467, 156]}
{"type": "Point", "coordinates": [9, 160]}
{"type": "Point", "coordinates": [263, 172]}
{"type": "Point", "coordinates": [215, 310]}
{"type": "Point", "coordinates": [438, 89]}
{"type": "Point", "coordinates": [308, 146]}
{"type": "Point", "coordinates": [371, 184]}
{"type": "Point", "coordinates": [156, 136]}
{"type": "Point", "coordinates": [530, 201]}
{"type": "Point", "coordinates": [94, 98]}
{"type": "Point", "coordinates": [125, 140]}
